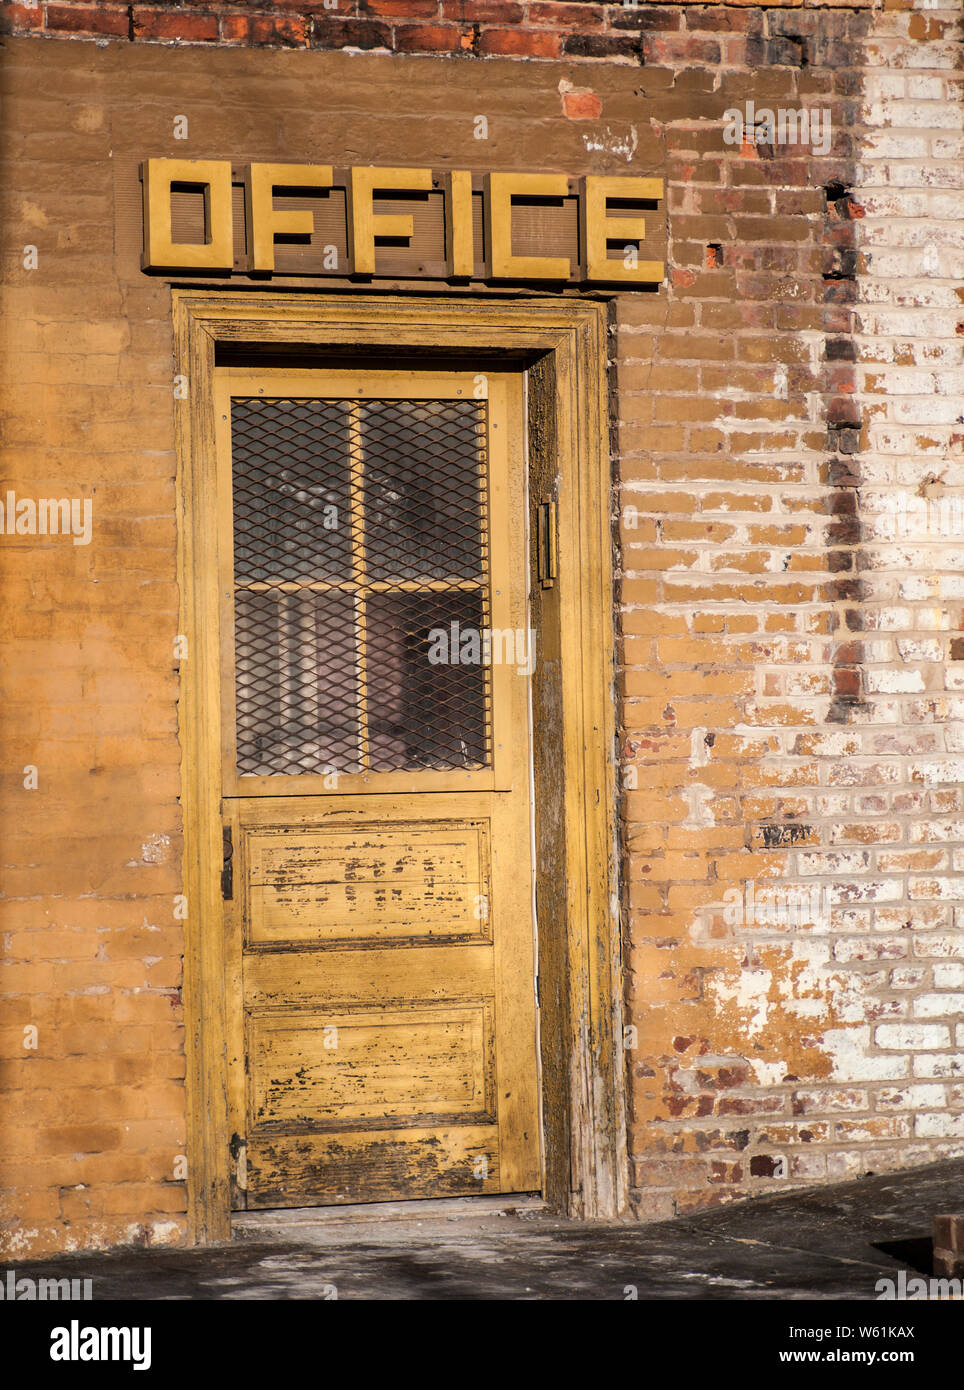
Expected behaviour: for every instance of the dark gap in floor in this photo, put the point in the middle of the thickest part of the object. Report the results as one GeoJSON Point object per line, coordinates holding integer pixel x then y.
{"type": "Point", "coordinates": [916, 1252]}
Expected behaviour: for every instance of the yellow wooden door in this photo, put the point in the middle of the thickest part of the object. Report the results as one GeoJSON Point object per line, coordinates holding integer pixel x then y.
{"type": "Point", "coordinates": [375, 716]}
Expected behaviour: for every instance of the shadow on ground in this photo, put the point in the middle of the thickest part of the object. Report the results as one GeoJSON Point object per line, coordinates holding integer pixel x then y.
{"type": "Point", "coordinates": [827, 1243]}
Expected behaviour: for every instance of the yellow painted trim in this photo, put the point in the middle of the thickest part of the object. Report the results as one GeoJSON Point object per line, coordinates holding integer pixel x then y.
{"type": "Point", "coordinates": [571, 334]}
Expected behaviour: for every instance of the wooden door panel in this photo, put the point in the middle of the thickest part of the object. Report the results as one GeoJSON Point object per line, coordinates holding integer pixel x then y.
{"type": "Point", "coordinates": [367, 883]}
{"type": "Point", "coordinates": [395, 854]}
{"type": "Point", "coordinates": [374, 1166]}
{"type": "Point", "coordinates": [371, 1067]}
{"type": "Point", "coordinates": [365, 979]}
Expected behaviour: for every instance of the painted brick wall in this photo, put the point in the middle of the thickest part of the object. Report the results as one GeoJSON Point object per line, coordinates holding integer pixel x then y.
{"type": "Point", "coordinates": [790, 613]}
{"type": "Point", "coordinates": [790, 607]}
{"type": "Point", "coordinates": [91, 1029]}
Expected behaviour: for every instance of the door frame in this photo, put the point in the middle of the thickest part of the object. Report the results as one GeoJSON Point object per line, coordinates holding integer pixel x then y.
{"type": "Point", "coordinates": [561, 342]}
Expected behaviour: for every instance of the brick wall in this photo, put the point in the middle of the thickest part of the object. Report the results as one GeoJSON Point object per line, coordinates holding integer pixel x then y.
{"type": "Point", "coordinates": [834, 1047]}
{"type": "Point", "coordinates": [575, 30]}
{"type": "Point", "coordinates": [788, 426]}
{"type": "Point", "coordinates": [789, 658]}
{"type": "Point", "coordinates": [91, 1031]}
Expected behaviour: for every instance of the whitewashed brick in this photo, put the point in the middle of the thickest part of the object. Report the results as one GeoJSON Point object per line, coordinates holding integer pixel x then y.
{"type": "Point", "coordinates": [945, 1064]}
{"type": "Point", "coordinates": [911, 1097]}
{"type": "Point", "coordinates": [943, 1126]}
{"type": "Point", "coordinates": [925, 88]}
{"type": "Point", "coordinates": [911, 1037]}
{"type": "Point", "coordinates": [948, 976]}
{"type": "Point", "coordinates": [894, 682]}
{"type": "Point", "coordinates": [938, 1005]}
{"type": "Point", "coordinates": [906, 977]}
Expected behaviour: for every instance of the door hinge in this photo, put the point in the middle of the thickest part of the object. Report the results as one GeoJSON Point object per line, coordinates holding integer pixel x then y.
{"type": "Point", "coordinates": [548, 562]}
{"type": "Point", "coordinates": [538, 997]}
{"type": "Point", "coordinates": [227, 864]}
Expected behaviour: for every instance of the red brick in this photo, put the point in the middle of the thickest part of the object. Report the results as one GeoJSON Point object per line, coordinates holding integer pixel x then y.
{"type": "Point", "coordinates": [683, 49]}
{"type": "Point", "coordinates": [431, 38]}
{"type": "Point", "coordinates": [165, 24]}
{"type": "Point", "coordinates": [743, 611]}
{"type": "Point", "coordinates": [663, 17]}
{"type": "Point", "coordinates": [399, 9]}
{"type": "Point", "coordinates": [602, 46]}
{"type": "Point", "coordinates": [717, 18]}
{"type": "Point", "coordinates": [483, 11]}
{"type": "Point", "coordinates": [519, 43]}
{"type": "Point", "coordinates": [266, 31]}
{"type": "Point", "coordinates": [548, 15]}
{"type": "Point", "coordinates": [581, 106]}
{"type": "Point", "coordinates": [79, 1138]}
{"type": "Point", "coordinates": [350, 33]}
{"type": "Point", "coordinates": [87, 19]}
{"type": "Point", "coordinates": [21, 19]}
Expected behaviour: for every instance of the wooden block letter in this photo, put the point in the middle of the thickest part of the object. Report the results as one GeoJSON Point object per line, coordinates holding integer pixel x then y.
{"type": "Point", "coordinates": [264, 220]}
{"type": "Point", "coordinates": [161, 252]}
{"type": "Point", "coordinates": [502, 188]}
{"type": "Point", "coordinates": [459, 245]}
{"type": "Point", "coordinates": [599, 228]}
{"type": "Point", "coordinates": [364, 225]}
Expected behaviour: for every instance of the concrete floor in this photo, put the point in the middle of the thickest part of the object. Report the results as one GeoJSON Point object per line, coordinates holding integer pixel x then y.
{"type": "Point", "coordinates": [829, 1243]}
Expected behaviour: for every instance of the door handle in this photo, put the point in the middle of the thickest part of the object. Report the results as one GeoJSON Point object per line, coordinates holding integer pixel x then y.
{"type": "Point", "coordinates": [227, 864]}
{"type": "Point", "coordinates": [548, 562]}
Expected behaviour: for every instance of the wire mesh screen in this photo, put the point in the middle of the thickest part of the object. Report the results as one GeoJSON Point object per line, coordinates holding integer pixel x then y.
{"type": "Point", "coordinates": [360, 577]}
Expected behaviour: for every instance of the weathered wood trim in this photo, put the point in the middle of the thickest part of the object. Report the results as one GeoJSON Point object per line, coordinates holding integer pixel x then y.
{"type": "Point", "coordinates": [208, 1186]}
{"type": "Point", "coordinates": [566, 340]}
{"type": "Point", "coordinates": [597, 1116]}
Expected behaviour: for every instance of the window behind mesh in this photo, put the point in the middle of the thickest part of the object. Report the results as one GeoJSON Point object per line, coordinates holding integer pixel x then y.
{"type": "Point", "coordinates": [360, 563]}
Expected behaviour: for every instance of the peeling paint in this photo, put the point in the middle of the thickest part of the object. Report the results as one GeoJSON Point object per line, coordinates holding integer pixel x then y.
{"type": "Point", "coordinates": [623, 143]}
